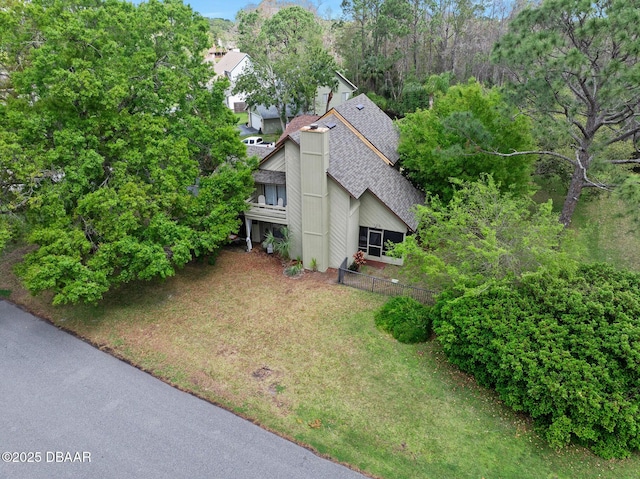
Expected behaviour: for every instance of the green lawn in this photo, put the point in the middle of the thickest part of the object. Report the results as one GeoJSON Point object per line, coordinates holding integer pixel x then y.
{"type": "Point", "coordinates": [605, 233]}
{"type": "Point", "coordinates": [302, 358]}
{"type": "Point", "coordinates": [600, 230]}
{"type": "Point", "coordinates": [242, 118]}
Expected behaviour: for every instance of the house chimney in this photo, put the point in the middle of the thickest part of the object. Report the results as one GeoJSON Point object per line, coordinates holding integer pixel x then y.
{"type": "Point", "coordinates": [314, 163]}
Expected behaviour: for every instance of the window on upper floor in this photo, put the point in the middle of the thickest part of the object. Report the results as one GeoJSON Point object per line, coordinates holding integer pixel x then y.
{"type": "Point", "coordinates": [272, 193]}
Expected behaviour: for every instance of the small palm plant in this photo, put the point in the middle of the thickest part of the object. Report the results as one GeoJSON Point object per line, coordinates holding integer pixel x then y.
{"type": "Point", "coordinates": [281, 246]}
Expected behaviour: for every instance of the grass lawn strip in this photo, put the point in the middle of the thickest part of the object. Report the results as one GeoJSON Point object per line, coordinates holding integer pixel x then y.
{"type": "Point", "coordinates": [303, 358]}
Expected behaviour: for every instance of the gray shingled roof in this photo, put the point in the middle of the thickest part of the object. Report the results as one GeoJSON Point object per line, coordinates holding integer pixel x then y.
{"type": "Point", "coordinates": [358, 168]}
{"type": "Point", "coordinates": [269, 177]}
{"type": "Point", "coordinates": [373, 123]}
{"type": "Point", "coordinates": [271, 113]}
{"type": "Point", "coordinates": [259, 151]}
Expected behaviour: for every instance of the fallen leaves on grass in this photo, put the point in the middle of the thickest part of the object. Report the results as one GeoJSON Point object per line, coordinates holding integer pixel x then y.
{"type": "Point", "coordinates": [315, 424]}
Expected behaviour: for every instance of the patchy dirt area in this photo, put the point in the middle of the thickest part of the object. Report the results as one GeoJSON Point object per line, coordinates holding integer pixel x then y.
{"type": "Point", "coordinates": [236, 262]}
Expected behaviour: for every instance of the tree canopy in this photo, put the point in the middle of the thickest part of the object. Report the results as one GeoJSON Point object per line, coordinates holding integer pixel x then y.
{"type": "Point", "coordinates": [445, 142]}
{"type": "Point", "coordinates": [575, 68]}
{"type": "Point", "coordinates": [481, 236]}
{"type": "Point", "coordinates": [129, 166]}
{"type": "Point", "coordinates": [288, 61]}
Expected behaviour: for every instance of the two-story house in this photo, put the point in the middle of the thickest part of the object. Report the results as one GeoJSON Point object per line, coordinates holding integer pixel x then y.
{"type": "Point", "coordinates": [231, 65]}
{"type": "Point", "coordinates": [334, 184]}
{"type": "Point", "coordinates": [267, 120]}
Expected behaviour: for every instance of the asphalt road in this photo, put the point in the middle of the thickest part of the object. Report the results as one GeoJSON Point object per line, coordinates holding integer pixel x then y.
{"type": "Point", "coordinates": [69, 410]}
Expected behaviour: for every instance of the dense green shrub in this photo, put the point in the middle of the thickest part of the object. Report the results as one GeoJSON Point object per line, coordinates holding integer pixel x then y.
{"type": "Point", "coordinates": [563, 348]}
{"type": "Point", "coordinates": [406, 319]}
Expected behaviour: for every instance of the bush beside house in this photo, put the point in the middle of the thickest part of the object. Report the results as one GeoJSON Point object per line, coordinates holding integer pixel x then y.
{"type": "Point", "coordinates": [405, 319]}
{"type": "Point", "coordinates": [564, 348]}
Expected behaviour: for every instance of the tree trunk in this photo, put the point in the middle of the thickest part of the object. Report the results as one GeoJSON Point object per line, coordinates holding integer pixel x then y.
{"type": "Point", "coordinates": [573, 195]}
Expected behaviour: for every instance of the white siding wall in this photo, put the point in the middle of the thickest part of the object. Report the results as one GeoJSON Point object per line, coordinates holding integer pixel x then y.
{"type": "Point", "coordinates": [234, 74]}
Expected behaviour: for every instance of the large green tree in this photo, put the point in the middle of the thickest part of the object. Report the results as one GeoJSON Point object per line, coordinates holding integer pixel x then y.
{"type": "Point", "coordinates": [445, 141]}
{"type": "Point", "coordinates": [574, 68]}
{"type": "Point", "coordinates": [130, 165]}
{"type": "Point", "coordinates": [288, 60]}
{"type": "Point", "coordinates": [480, 237]}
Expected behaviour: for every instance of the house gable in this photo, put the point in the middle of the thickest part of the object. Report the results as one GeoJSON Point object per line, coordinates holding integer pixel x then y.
{"type": "Point", "coordinates": [275, 161]}
{"type": "Point", "coordinates": [367, 197]}
{"type": "Point", "coordinates": [231, 64]}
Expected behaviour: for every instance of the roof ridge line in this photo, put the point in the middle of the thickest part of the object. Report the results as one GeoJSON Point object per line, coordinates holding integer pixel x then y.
{"type": "Point", "coordinates": [364, 139]}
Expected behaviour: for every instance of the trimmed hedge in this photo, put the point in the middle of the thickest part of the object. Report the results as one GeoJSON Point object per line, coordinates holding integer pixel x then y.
{"type": "Point", "coordinates": [405, 319]}
{"type": "Point", "coordinates": [565, 349]}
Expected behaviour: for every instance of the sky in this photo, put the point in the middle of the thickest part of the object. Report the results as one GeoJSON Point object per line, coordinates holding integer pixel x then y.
{"type": "Point", "coordinates": [228, 9]}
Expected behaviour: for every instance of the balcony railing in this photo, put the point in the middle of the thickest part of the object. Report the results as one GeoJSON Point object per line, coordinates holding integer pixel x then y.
{"type": "Point", "coordinates": [264, 212]}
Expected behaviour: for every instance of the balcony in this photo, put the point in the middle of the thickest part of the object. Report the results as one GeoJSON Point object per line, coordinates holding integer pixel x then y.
{"type": "Point", "coordinates": [260, 211]}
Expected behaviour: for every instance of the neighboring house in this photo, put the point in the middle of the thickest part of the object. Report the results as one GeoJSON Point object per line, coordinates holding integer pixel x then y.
{"type": "Point", "coordinates": [230, 66]}
{"type": "Point", "coordinates": [344, 92]}
{"type": "Point", "coordinates": [334, 185]}
{"type": "Point", "coordinates": [267, 121]}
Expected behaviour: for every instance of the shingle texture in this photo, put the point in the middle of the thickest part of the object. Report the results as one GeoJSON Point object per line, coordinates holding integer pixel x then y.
{"type": "Point", "coordinates": [269, 177]}
{"type": "Point", "coordinates": [373, 123]}
{"type": "Point", "coordinates": [271, 113]}
{"type": "Point", "coordinates": [357, 168]}
{"type": "Point", "coordinates": [259, 151]}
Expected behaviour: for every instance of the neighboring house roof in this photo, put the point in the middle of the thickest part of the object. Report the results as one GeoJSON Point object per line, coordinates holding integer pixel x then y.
{"type": "Point", "coordinates": [228, 62]}
{"type": "Point", "coordinates": [270, 113]}
{"type": "Point", "coordinates": [259, 151]}
{"type": "Point", "coordinates": [360, 163]}
{"type": "Point", "coordinates": [296, 123]}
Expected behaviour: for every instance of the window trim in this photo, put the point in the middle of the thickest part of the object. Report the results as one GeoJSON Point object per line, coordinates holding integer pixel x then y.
{"type": "Point", "coordinates": [364, 234]}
